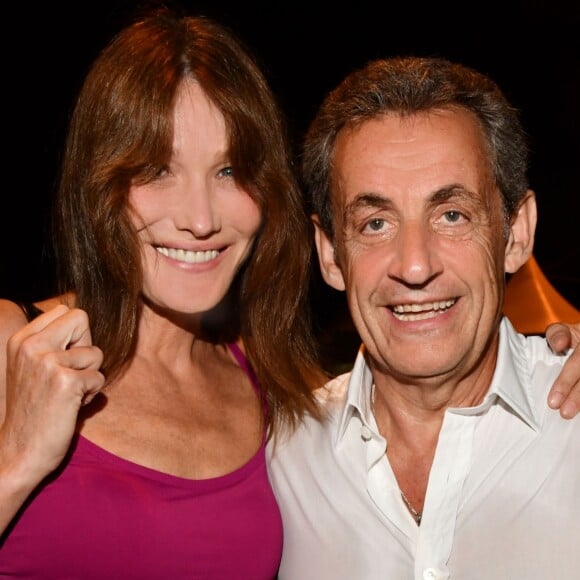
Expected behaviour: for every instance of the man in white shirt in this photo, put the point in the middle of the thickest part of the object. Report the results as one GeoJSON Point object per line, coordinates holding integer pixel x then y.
{"type": "Point", "coordinates": [438, 457]}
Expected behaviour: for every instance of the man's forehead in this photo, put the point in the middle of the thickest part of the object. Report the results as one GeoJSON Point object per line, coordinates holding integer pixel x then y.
{"type": "Point", "coordinates": [389, 155]}
{"type": "Point", "coordinates": [405, 130]}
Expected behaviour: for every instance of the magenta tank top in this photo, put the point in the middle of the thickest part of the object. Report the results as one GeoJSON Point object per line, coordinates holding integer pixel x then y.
{"type": "Point", "coordinates": [102, 517]}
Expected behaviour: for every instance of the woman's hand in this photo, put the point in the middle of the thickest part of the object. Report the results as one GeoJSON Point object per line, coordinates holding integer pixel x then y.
{"type": "Point", "coordinates": [52, 369]}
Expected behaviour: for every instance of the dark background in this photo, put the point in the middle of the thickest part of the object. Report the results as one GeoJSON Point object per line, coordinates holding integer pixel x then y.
{"type": "Point", "coordinates": [530, 48]}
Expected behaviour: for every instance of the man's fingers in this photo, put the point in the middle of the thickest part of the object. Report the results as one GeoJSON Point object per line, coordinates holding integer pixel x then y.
{"type": "Point", "coordinates": [565, 392]}
{"type": "Point", "coordinates": [559, 337]}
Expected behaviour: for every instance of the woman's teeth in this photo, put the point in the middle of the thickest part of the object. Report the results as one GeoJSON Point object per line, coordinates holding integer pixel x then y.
{"type": "Point", "coordinates": [188, 256]}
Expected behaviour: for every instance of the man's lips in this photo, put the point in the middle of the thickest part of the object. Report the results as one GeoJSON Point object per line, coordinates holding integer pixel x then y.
{"type": "Point", "coordinates": [413, 311]}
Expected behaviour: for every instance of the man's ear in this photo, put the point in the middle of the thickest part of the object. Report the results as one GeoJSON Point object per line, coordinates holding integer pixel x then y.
{"type": "Point", "coordinates": [329, 267]}
{"type": "Point", "coordinates": [521, 234]}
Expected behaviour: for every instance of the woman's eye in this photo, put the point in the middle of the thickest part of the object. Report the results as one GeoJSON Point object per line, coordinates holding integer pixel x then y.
{"type": "Point", "coordinates": [161, 171]}
{"type": "Point", "coordinates": [226, 172]}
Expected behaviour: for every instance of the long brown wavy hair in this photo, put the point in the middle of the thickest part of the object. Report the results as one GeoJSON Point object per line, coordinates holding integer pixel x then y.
{"type": "Point", "coordinates": [121, 131]}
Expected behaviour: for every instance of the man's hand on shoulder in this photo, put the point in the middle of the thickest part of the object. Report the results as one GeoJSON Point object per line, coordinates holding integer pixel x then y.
{"type": "Point", "coordinates": [565, 392]}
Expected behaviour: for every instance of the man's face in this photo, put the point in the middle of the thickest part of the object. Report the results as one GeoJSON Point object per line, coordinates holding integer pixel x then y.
{"type": "Point", "coordinates": [420, 244]}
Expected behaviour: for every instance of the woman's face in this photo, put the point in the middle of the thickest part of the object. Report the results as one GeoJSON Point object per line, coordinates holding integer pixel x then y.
{"type": "Point", "coordinates": [194, 221]}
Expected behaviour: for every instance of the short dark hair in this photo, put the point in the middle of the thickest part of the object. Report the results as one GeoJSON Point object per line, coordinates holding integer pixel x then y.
{"type": "Point", "coordinates": [408, 85]}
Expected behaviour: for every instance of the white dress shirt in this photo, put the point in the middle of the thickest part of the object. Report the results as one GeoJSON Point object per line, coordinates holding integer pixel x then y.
{"type": "Point", "coordinates": [503, 497]}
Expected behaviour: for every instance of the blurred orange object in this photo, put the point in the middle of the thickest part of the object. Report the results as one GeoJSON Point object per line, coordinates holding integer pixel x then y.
{"type": "Point", "coordinates": [532, 303]}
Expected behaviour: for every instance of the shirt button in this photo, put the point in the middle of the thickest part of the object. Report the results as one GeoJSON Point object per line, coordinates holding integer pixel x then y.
{"type": "Point", "coordinates": [366, 434]}
{"type": "Point", "coordinates": [431, 574]}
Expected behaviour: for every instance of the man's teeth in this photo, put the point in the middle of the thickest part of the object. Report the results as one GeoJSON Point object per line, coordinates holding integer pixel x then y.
{"type": "Point", "coordinates": [412, 312]}
{"type": "Point", "coordinates": [188, 256]}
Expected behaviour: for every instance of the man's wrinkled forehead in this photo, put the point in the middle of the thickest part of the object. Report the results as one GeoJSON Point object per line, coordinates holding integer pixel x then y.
{"type": "Point", "coordinates": [439, 149]}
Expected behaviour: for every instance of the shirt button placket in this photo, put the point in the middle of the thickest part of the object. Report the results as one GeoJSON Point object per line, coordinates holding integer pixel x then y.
{"type": "Point", "coordinates": [366, 433]}
{"type": "Point", "coordinates": [432, 574]}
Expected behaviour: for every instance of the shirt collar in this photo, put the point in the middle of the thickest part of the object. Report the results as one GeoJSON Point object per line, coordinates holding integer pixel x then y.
{"type": "Point", "coordinates": [511, 382]}
{"type": "Point", "coordinates": [358, 399]}
{"type": "Point", "coordinates": [512, 379]}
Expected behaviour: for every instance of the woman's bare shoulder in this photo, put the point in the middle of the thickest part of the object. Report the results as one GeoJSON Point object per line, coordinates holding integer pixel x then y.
{"type": "Point", "coordinates": [12, 318]}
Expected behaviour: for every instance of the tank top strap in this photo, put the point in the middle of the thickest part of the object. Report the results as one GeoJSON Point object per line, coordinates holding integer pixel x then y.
{"type": "Point", "coordinates": [245, 365]}
{"type": "Point", "coordinates": [243, 362]}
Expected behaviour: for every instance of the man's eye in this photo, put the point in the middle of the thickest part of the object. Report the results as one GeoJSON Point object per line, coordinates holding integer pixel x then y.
{"type": "Point", "coordinates": [453, 216]}
{"type": "Point", "coordinates": [376, 224]}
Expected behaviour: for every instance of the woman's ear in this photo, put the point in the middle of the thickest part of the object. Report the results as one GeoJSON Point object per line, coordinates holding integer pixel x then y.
{"type": "Point", "coordinates": [521, 234]}
{"type": "Point", "coordinates": [331, 272]}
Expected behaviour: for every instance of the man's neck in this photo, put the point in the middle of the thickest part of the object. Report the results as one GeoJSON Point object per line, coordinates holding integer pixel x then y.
{"type": "Point", "coordinates": [409, 414]}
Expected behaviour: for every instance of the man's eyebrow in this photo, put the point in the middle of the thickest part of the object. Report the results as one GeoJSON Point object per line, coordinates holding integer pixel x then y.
{"type": "Point", "coordinates": [376, 201]}
{"type": "Point", "coordinates": [454, 190]}
{"type": "Point", "coordinates": [367, 200]}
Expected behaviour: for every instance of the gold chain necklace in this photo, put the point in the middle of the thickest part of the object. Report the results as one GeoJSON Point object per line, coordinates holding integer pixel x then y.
{"type": "Point", "coordinates": [416, 515]}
